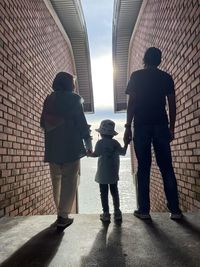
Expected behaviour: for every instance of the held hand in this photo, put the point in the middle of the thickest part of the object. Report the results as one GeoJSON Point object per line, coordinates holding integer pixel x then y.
{"type": "Point", "coordinates": [127, 136]}
{"type": "Point", "coordinates": [88, 153]}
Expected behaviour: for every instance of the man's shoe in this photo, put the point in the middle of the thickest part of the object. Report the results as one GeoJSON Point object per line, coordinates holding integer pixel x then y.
{"type": "Point", "coordinates": [64, 222]}
{"type": "Point", "coordinates": [118, 215]}
{"type": "Point", "coordinates": [140, 215]}
{"type": "Point", "coordinates": [176, 216]}
{"type": "Point", "coordinates": [105, 217]}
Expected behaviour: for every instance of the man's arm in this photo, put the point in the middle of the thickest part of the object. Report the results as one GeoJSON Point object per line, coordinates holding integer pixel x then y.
{"type": "Point", "coordinates": [172, 113]}
{"type": "Point", "coordinates": [130, 113]}
{"type": "Point", "coordinates": [130, 110]}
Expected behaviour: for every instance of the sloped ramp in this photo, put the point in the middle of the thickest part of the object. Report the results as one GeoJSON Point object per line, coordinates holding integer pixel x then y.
{"type": "Point", "coordinates": [28, 241]}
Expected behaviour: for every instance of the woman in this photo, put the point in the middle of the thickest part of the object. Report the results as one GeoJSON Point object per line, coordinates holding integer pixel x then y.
{"type": "Point", "coordinates": [65, 129]}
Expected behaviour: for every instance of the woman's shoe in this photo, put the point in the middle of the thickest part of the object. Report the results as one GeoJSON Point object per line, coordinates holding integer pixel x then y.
{"type": "Point", "coordinates": [63, 223]}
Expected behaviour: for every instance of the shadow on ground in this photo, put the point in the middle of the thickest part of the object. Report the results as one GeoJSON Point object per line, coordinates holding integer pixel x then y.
{"type": "Point", "coordinates": [38, 251]}
{"type": "Point", "coordinates": [174, 251]}
{"type": "Point", "coordinates": [107, 249]}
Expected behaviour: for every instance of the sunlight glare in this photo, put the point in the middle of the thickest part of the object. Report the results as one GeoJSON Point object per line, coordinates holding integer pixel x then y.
{"type": "Point", "coordinates": [102, 76]}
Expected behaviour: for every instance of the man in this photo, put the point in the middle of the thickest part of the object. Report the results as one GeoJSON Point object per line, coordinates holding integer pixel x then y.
{"type": "Point", "coordinates": [148, 89]}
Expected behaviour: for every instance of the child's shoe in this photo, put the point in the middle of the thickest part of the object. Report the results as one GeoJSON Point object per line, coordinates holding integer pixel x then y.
{"type": "Point", "coordinates": [105, 217]}
{"type": "Point", "coordinates": [118, 215]}
{"type": "Point", "coordinates": [142, 216]}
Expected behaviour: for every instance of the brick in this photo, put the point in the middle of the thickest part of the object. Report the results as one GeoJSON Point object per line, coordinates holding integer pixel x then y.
{"type": "Point", "coordinates": [21, 209]}
{"type": "Point", "coordinates": [3, 151]}
{"type": "Point", "coordinates": [198, 196]}
{"type": "Point", "coordinates": [14, 213]}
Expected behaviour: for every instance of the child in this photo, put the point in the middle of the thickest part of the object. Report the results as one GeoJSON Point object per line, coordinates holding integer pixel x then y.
{"type": "Point", "coordinates": [108, 150]}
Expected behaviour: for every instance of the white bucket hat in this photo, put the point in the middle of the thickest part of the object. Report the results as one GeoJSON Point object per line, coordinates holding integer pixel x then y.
{"type": "Point", "coordinates": [107, 127]}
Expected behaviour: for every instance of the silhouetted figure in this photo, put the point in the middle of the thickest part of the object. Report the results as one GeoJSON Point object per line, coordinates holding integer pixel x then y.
{"type": "Point", "coordinates": [148, 89]}
{"type": "Point", "coordinates": [108, 150]}
{"type": "Point", "coordinates": [65, 129]}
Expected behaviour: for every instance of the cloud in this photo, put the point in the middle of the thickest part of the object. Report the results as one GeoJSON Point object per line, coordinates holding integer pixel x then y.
{"type": "Point", "coordinates": [98, 16]}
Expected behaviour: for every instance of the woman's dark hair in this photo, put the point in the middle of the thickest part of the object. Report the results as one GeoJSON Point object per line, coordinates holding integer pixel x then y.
{"type": "Point", "coordinates": [63, 82]}
{"type": "Point", "coordinates": [152, 56]}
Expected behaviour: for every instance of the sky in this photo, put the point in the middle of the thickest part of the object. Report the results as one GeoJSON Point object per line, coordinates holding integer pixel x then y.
{"type": "Point", "coordinates": [98, 17]}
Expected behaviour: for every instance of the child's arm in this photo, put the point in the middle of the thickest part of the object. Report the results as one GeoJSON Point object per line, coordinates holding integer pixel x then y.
{"type": "Point", "coordinates": [95, 153]}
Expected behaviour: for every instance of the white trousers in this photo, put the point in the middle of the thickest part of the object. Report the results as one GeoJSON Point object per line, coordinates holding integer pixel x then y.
{"type": "Point", "coordinates": [64, 181]}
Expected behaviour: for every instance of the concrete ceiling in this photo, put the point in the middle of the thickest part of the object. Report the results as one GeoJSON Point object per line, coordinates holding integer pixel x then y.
{"type": "Point", "coordinates": [124, 20]}
{"type": "Point", "coordinates": [71, 17]}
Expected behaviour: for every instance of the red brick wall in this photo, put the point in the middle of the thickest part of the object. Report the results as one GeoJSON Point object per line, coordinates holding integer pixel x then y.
{"type": "Point", "coordinates": [32, 51]}
{"type": "Point", "coordinates": [173, 26]}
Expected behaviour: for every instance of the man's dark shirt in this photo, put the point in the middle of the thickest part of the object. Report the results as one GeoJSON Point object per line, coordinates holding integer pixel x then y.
{"type": "Point", "coordinates": [149, 88]}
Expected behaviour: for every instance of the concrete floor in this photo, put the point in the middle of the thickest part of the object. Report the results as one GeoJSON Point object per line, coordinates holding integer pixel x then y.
{"type": "Point", "coordinates": [28, 241]}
